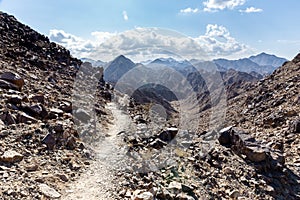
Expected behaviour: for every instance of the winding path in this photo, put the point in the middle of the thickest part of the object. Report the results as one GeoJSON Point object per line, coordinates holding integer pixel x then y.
{"type": "Point", "coordinates": [97, 181]}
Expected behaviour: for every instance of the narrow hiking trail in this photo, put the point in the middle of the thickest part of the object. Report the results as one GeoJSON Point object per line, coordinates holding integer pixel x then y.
{"type": "Point", "coordinates": [96, 183]}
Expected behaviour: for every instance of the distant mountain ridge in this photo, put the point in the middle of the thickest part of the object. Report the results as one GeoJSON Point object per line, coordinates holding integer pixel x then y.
{"type": "Point", "coordinates": [262, 63]}
{"type": "Point", "coordinates": [265, 59]}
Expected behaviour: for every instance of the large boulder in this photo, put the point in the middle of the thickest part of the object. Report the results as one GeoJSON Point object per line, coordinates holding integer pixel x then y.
{"type": "Point", "coordinates": [255, 151]}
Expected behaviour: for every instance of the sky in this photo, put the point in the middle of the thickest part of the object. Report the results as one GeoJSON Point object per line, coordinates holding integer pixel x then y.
{"type": "Point", "coordinates": [141, 29]}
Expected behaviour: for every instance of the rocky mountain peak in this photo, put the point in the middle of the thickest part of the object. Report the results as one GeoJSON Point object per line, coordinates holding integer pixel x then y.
{"type": "Point", "coordinates": [115, 69]}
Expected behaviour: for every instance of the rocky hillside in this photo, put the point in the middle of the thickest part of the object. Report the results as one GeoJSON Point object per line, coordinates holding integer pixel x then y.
{"type": "Point", "coordinates": [40, 148]}
{"type": "Point", "coordinates": [268, 112]}
{"type": "Point", "coordinates": [253, 155]}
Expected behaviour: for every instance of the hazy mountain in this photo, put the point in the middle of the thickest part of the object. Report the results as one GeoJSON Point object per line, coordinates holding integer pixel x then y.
{"type": "Point", "coordinates": [95, 63]}
{"type": "Point", "coordinates": [262, 63]}
{"type": "Point", "coordinates": [170, 62]}
{"type": "Point", "coordinates": [267, 59]}
{"type": "Point", "coordinates": [115, 69]}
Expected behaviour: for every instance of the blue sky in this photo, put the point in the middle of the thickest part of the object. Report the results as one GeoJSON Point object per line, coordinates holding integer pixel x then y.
{"type": "Point", "coordinates": [224, 28]}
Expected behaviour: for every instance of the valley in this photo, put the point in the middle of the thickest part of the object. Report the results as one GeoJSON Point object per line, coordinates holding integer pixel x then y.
{"type": "Point", "coordinates": [161, 129]}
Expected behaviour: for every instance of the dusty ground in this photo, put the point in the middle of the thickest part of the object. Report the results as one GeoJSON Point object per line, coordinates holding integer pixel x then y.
{"type": "Point", "coordinates": [97, 181]}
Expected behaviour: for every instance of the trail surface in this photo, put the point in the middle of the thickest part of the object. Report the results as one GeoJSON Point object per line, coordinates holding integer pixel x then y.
{"type": "Point", "coordinates": [97, 181]}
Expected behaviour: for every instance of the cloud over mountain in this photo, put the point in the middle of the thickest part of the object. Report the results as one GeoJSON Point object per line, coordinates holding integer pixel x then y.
{"type": "Point", "coordinates": [146, 43]}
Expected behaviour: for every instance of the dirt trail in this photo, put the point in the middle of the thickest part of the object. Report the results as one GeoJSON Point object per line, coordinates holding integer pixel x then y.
{"type": "Point", "coordinates": [96, 182]}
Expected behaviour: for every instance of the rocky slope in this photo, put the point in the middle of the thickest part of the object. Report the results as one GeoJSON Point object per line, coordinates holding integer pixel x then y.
{"type": "Point", "coordinates": [254, 156]}
{"type": "Point", "coordinates": [41, 148]}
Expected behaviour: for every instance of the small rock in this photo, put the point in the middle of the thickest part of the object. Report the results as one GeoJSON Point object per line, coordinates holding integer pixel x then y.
{"type": "Point", "coordinates": [11, 156]}
{"type": "Point", "coordinates": [31, 167]}
{"type": "Point", "coordinates": [39, 98]}
{"type": "Point", "coordinates": [50, 141]}
{"type": "Point", "coordinates": [168, 135]}
{"type": "Point", "coordinates": [13, 78]}
{"type": "Point", "coordinates": [175, 185]}
{"type": "Point", "coordinates": [224, 137]}
{"type": "Point", "coordinates": [63, 177]}
{"type": "Point", "coordinates": [26, 119]}
{"type": "Point", "coordinates": [7, 85]}
{"type": "Point", "coordinates": [295, 128]}
{"type": "Point", "coordinates": [140, 195]}
{"type": "Point", "coordinates": [82, 115]}
{"type": "Point", "coordinates": [48, 191]}
{"type": "Point", "coordinates": [157, 144]}
{"type": "Point", "coordinates": [255, 154]}
{"type": "Point", "coordinates": [234, 194]}
{"type": "Point", "coordinates": [14, 99]}
{"type": "Point", "coordinates": [183, 196]}
{"type": "Point", "coordinates": [8, 118]}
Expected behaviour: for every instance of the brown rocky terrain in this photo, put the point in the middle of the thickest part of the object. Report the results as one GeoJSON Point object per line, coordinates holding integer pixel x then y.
{"type": "Point", "coordinates": [40, 147]}
{"type": "Point", "coordinates": [52, 108]}
{"type": "Point", "coordinates": [255, 157]}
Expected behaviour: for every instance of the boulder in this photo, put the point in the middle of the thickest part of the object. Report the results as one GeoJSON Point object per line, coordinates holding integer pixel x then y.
{"type": "Point", "coordinates": [142, 195]}
{"type": "Point", "coordinates": [14, 99]}
{"type": "Point", "coordinates": [7, 85]}
{"type": "Point", "coordinates": [295, 127]}
{"type": "Point", "coordinates": [26, 119]}
{"type": "Point", "coordinates": [48, 191]}
{"type": "Point", "coordinates": [256, 153]}
{"type": "Point", "coordinates": [82, 115]}
{"type": "Point", "coordinates": [157, 144]}
{"type": "Point", "coordinates": [8, 118]}
{"type": "Point", "coordinates": [38, 111]}
{"type": "Point", "coordinates": [243, 144]}
{"type": "Point", "coordinates": [13, 78]}
{"type": "Point", "coordinates": [224, 136]}
{"type": "Point", "coordinates": [50, 141]}
{"type": "Point", "coordinates": [11, 156]}
{"type": "Point", "coordinates": [38, 98]}
{"type": "Point", "coordinates": [168, 135]}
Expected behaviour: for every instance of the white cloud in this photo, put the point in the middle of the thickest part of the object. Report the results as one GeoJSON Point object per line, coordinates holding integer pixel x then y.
{"type": "Point", "coordinates": [79, 47]}
{"type": "Point", "coordinates": [215, 5]}
{"type": "Point", "coordinates": [218, 42]}
{"type": "Point", "coordinates": [189, 10]}
{"type": "Point", "coordinates": [125, 16]}
{"type": "Point", "coordinates": [148, 43]}
{"type": "Point", "coordinates": [251, 10]}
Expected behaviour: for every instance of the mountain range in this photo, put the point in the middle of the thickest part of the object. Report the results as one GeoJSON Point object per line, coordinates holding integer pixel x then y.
{"type": "Point", "coordinates": [262, 64]}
